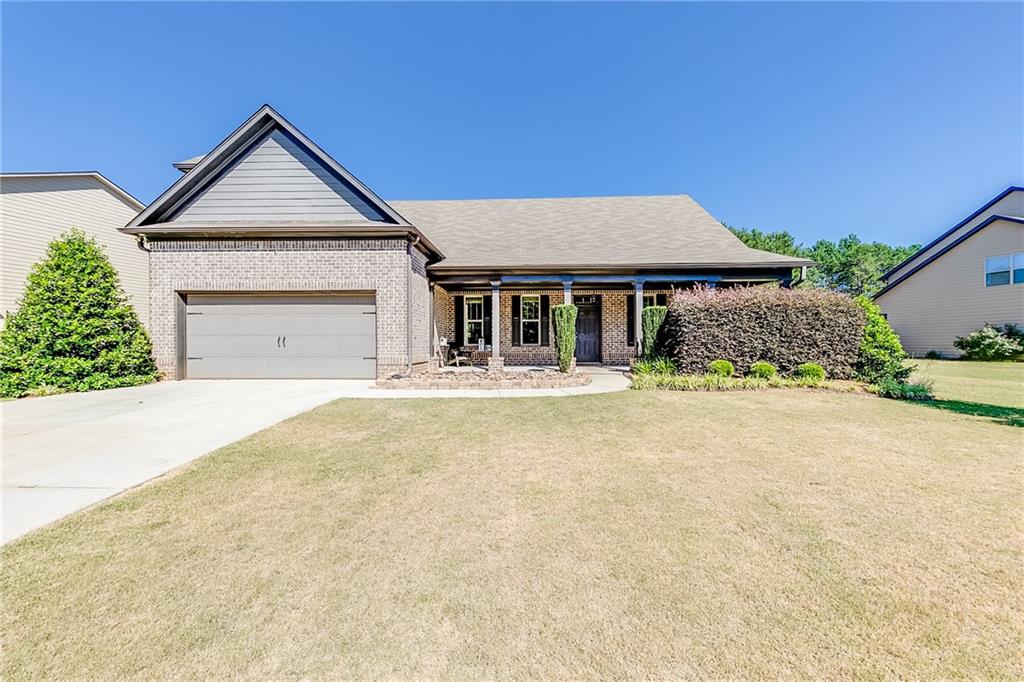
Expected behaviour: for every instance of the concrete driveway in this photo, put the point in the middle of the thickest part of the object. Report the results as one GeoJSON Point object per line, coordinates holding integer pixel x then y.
{"type": "Point", "coordinates": [64, 453]}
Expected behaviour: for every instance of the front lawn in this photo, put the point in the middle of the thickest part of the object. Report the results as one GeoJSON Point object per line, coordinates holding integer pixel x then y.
{"type": "Point", "coordinates": [637, 534]}
{"type": "Point", "coordinates": [991, 383]}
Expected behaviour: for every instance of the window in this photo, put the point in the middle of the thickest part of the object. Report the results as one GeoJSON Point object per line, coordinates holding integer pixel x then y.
{"type": "Point", "coordinates": [529, 320]}
{"type": "Point", "coordinates": [1018, 268]}
{"type": "Point", "coordinates": [650, 300]}
{"type": "Point", "coordinates": [1000, 270]}
{"type": "Point", "coordinates": [474, 319]}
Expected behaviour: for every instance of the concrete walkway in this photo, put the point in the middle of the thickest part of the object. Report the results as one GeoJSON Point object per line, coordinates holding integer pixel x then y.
{"type": "Point", "coordinates": [64, 453]}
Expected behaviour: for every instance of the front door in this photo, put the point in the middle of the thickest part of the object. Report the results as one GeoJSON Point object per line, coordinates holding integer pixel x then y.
{"type": "Point", "coordinates": [588, 329]}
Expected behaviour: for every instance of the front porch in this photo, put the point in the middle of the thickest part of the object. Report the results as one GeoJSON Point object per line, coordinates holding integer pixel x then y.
{"type": "Point", "coordinates": [507, 321]}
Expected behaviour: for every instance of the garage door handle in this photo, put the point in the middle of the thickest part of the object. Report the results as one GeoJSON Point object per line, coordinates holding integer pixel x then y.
{"type": "Point", "coordinates": [279, 342]}
{"type": "Point", "coordinates": [284, 341]}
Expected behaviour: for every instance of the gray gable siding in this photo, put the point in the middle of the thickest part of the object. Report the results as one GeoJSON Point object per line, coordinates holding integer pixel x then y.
{"type": "Point", "coordinates": [277, 180]}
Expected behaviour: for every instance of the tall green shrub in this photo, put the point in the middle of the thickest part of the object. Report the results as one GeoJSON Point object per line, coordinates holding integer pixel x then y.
{"type": "Point", "coordinates": [651, 320]}
{"type": "Point", "coordinates": [750, 324]}
{"type": "Point", "coordinates": [564, 316]}
{"type": "Point", "coordinates": [74, 329]}
{"type": "Point", "coordinates": [881, 356]}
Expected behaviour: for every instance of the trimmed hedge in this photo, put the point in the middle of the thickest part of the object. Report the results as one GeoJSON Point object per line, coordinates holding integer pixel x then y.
{"type": "Point", "coordinates": [564, 316]}
{"type": "Point", "coordinates": [811, 371]}
{"type": "Point", "coordinates": [749, 324]}
{"type": "Point", "coordinates": [651, 320]}
{"type": "Point", "coordinates": [721, 368]}
{"type": "Point", "coordinates": [762, 370]}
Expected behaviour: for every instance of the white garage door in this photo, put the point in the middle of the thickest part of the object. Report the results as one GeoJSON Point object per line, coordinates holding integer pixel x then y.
{"type": "Point", "coordinates": [280, 336]}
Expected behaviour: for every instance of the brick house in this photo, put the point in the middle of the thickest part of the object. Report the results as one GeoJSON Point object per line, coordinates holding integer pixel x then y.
{"type": "Point", "coordinates": [269, 259]}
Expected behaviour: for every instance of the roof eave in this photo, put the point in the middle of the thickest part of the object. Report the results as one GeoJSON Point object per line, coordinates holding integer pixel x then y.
{"type": "Point", "coordinates": [104, 180]}
{"type": "Point", "coordinates": [949, 247]}
{"type": "Point", "coordinates": [444, 268]}
{"type": "Point", "coordinates": [226, 151]}
{"type": "Point", "coordinates": [906, 261]}
{"type": "Point", "coordinates": [284, 231]}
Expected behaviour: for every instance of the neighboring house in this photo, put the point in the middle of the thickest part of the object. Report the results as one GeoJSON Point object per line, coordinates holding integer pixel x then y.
{"type": "Point", "coordinates": [35, 208]}
{"type": "Point", "coordinates": [972, 274]}
{"type": "Point", "coordinates": [269, 259]}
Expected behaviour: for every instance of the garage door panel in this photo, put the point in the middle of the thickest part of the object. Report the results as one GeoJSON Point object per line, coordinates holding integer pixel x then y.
{"type": "Point", "coordinates": [279, 336]}
{"type": "Point", "coordinates": [323, 346]}
{"type": "Point", "coordinates": [292, 368]}
{"type": "Point", "coordinates": [229, 300]}
{"type": "Point", "coordinates": [280, 325]}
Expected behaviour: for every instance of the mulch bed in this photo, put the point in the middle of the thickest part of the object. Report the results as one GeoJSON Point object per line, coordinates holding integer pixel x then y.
{"type": "Point", "coordinates": [534, 378]}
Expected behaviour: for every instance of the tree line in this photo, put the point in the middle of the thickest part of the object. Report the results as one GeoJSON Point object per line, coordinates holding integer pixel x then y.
{"type": "Point", "coordinates": [848, 265]}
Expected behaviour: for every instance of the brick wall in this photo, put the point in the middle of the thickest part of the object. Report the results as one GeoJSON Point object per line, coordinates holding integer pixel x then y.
{"type": "Point", "coordinates": [378, 265]}
{"type": "Point", "coordinates": [614, 347]}
{"type": "Point", "coordinates": [420, 311]}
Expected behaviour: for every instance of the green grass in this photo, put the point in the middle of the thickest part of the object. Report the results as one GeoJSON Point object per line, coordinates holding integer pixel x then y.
{"type": "Point", "coordinates": [990, 390]}
{"type": "Point", "coordinates": [773, 534]}
{"type": "Point", "coordinates": [991, 383]}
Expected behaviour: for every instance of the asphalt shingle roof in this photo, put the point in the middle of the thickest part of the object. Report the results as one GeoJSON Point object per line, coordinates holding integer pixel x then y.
{"type": "Point", "coordinates": [586, 231]}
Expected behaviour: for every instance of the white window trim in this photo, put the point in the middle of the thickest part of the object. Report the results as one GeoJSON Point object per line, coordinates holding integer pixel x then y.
{"type": "Point", "coordinates": [654, 299]}
{"type": "Point", "coordinates": [523, 318]}
{"type": "Point", "coordinates": [466, 319]}
{"type": "Point", "coordinates": [1013, 259]}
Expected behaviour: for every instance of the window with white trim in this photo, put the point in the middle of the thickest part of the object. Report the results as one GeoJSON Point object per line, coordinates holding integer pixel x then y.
{"type": "Point", "coordinates": [1000, 270]}
{"type": "Point", "coordinates": [650, 300]}
{"type": "Point", "coordinates": [529, 320]}
{"type": "Point", "coordinates": [474, 316]}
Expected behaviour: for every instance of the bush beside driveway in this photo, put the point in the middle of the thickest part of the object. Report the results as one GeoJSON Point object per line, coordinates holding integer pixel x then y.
{"type": "Point", "coordinates": [633, 534]}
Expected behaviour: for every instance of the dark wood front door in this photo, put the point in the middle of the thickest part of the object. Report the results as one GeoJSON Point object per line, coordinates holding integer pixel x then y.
{"type": "Point", "coordinates": [588, 329]}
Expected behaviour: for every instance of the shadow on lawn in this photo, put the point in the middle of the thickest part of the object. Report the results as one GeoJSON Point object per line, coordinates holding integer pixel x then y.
{"type": "Point", "coordinates": [1010, 416]}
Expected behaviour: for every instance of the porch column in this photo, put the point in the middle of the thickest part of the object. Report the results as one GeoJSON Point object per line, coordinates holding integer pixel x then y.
{"type": "Point", "coordinates": [432, 348]}
{"type": "Point", "coordinates": [495, 362]}
{"type": "Point", "coordinates": [638, 311]}
{"type": "Point", "coordinates": [567, 292]}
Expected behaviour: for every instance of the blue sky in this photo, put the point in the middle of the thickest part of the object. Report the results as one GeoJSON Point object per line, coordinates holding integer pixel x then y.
{"type": "Point", "coordinates": [889, 120]}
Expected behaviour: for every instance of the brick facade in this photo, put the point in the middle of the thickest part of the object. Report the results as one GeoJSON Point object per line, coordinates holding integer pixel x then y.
{"type": "Point", "coordinates": [615, 349]}
{"type": "Point", "coordinates": [307, 265]}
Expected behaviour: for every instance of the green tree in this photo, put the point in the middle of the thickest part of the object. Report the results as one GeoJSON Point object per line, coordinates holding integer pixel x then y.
{"type": "Point", "coordinates": [853, 266]}
{"type": "Point", "coordinates": [775, 242]}
{"type": "Point", "coordinates": [848, 265]}
{"type": "Point", "coordinates": [74, 329]}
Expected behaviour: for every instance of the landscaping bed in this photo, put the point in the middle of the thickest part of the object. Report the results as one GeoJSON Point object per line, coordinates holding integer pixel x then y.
{"type": "Point", "coordinates": [713, 382]}
{"type": "Point", "coordinates": [524, 378]}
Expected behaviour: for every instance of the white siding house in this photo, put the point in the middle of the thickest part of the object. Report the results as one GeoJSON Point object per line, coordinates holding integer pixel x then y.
{"type": "Point", "coordinates": [37, 207]}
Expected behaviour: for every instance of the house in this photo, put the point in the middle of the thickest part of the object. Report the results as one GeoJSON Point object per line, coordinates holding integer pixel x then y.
{"type": "Point", "coordinates": [270, 259]}
{"type": "Point", "coordinates": [35, 208]}
{"type": "Point", "coordinates": [970, 275]}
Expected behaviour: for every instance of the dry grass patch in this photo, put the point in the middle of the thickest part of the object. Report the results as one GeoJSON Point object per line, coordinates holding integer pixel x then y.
{"type": "Point", "coordinates": [619, 535]}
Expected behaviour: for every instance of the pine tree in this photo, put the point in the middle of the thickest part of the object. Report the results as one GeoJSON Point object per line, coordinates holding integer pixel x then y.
{"type": "Point", "coordinates": [74, 329]}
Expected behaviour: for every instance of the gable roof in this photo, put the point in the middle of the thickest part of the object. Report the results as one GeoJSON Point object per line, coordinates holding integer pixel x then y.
{"type": "Point", "coordinates": [995, 217]}
{"type": "Point", "coordinates": [625, 231]}
{"type": "Point", "coordinates": [103, 180]}
{"type": "Point", "coordinates": [263, 122]}
{"type": "Point", "coordinates": [923, 251]}
{"type": "Point", "coordinates": [589, 232]}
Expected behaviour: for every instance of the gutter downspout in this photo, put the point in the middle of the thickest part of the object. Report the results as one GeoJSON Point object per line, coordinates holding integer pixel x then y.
{"type": "Point", "coordinates": [408, 307]}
